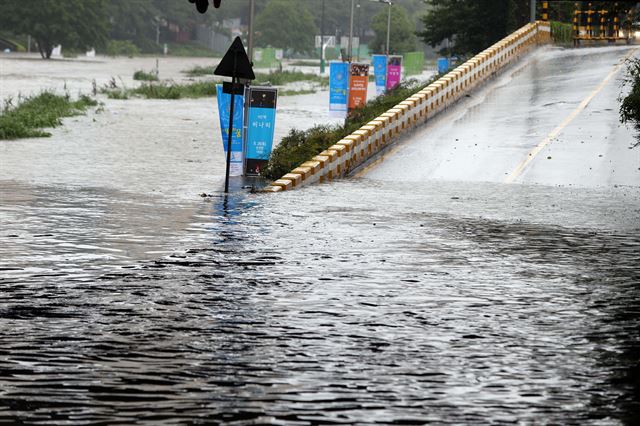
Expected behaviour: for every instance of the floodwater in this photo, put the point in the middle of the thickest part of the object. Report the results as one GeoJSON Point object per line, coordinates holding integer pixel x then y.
{"type": "Point", "coordinates": [129, 298]}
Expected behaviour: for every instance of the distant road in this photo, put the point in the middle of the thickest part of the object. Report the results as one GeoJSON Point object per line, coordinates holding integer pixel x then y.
{"type": "Point", "coordinates": [551, 119]}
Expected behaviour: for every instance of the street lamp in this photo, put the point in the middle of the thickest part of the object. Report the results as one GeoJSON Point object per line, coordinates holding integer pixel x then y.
{"type": "Point", "coordinates": [390, 3]}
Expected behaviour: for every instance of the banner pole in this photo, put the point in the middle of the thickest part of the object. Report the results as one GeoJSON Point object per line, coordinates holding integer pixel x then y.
{"type": "Point", "coordinates": [233, 101]}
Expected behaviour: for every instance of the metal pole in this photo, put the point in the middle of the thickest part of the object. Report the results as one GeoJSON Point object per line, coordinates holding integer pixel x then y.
{"type": "Point", "coordinates": [322, 41]}
{"type": "Point", "coordinates": [229, 137]}
{"type": "Point", "coordinates": [533, 11]}
{"type": "Point", "coordinates": [388, 28]}
{"type": "Point", "coordinates": [359, 32]}
{"type": "Point", "coordinates": [250, 38]}
{"type": "Point", "coordinates": [353, 5]}
{"type": "Point", "coordinates": [29, 44]}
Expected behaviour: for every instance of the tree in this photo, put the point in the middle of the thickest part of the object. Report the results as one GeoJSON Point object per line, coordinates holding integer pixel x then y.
{"type": "Point", "coordinates": [472, 24]}
{"type": "Point", "coordinates": [286, 24]}
{"type": "Point", "coordinates": [402, 37]}
{"type": "Point", "coordinates": [76, 24]}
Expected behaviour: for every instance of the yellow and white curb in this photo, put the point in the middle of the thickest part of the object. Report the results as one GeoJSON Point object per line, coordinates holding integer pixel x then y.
{"type": "Point", "coordinates": [347, 154]}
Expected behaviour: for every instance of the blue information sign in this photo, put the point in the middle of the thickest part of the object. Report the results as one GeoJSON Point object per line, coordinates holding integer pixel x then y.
{"type": "Point", "coordinates": [379, 63]}
{"type": "Point", "coordinates": [224, 106]}
{"type": "Point", "coordinates": [261, 125]}
{"type": "Point", "coordinates": [338, 86]}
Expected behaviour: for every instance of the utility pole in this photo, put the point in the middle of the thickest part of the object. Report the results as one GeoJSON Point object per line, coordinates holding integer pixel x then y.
{"type": "Point", "coordinates": [389, 28]}
{"type": "Point", "coordinates": [353, 6]}
{"type": "Point", "coordinates": [359, 32]}
{"type": "Point", "coordinates": [322, 41]}
{"type": "Point", "coordinates": [250, 37]}
{"type": "Point", "coordinates": [29, 44]}
{"type": "Point", "coordinates": [533, 11]}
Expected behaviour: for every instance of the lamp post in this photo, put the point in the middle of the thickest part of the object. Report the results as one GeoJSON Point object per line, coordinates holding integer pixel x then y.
{"type": "Point", "coordinates": [350, 50]}
{"type": "Point", "coordinates": [322, 41]}
{"type": "Point", "coordinates": [533, 11]}
{"type": "Point", "coordinates": [390, 3]}
{"type": "Point", "coordinates": [250, 36]}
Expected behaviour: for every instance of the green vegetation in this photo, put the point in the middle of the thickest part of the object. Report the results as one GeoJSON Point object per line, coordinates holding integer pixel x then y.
{"type": "Point", "coordinates": [630, 104]}
{"type": "Point", "coordinates": [474, 25]}
{"type": "Point", "coordinates": [299, 146]}
{"type": "Point", "coordinates": [76, 24]}
{"type": "Point", "coordinates": [307, 63]}
{"type": "Point", "coordinates": [192, 50]}
{"type": "Point", "coordinates": [199, 71]}
{"type": "Point", "coordinates": [279, 78]}
{"type": "Point", "coordinates": [275, 78]}
{"type": "Point", "coordinates": [35, 113]}
{"type": "Point", "coordinates": [286, 24]}
{"type": "Point", "coordinates": [164, 90]}
{"type": "Point", "coordinates": [122, 48]}
{"type": "Point", "coordinates": [561, 33]}
{"type": "Point", "coordinates": [141, 75]}
{"type": "Point", "coordinates": [402, 37]}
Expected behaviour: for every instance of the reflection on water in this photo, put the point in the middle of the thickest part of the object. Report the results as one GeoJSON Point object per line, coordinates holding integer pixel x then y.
{"type": "Point", "coordinates": [354, 302]}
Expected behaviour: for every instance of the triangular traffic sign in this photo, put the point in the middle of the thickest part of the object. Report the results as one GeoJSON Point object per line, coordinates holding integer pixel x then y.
{"type": "Point", "coordinates": [237, 54]}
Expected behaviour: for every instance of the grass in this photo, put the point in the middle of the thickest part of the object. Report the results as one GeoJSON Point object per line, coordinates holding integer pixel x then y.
{"type": "Point", "coordinates": [141, 75]}
{"type": "Point", "coordinates": [164, 90]}
{"type": "Point", "coordinates": [199, 71]}
{"type": "Point", "coordinates": [306, 63]}
{"type": "Point", "coordinates": [35, 113]}
{"type": "Point", "coordinates": [299, 146]}
{"type": "Point", "coordinates": [275, 78]}
{"type": "Point", "coordinates": [561, 33]}
{"type": "Point", "coordinates": [190, 50]}
{"type": "Point", "coordinates": [279, 78]}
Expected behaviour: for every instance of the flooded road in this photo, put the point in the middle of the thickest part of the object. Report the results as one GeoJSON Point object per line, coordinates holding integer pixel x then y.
{"type": "Point", "coordinates": [129, 298]}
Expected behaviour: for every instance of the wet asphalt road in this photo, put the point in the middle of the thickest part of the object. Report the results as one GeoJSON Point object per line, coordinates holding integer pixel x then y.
{"type": "Point", "coordinates": [406, 296]}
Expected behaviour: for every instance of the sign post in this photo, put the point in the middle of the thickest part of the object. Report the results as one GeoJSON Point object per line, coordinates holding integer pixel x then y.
{"type": "Point", "coordinates": [235, 64]}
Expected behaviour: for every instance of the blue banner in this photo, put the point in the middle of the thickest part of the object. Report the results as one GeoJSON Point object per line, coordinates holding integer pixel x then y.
{"type": "Point", "coordinates": [224, 106]}
{"type": "Point", "coordinates": [379, 63]}
{"type": "Point", "coordinates": [260, 136]}
{"type": "Point", "coordinates": [338, 86]}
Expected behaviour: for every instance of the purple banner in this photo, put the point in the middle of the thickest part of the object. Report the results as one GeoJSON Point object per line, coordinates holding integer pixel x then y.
{"type": "Point", "coordinates": [394, 71]}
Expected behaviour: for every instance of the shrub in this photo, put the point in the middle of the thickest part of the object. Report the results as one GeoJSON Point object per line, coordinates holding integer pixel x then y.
{"type": "Point", "coordinates": [300, 146]}
{"type": "Point", "coordinates": [630, 104]}
{"type": "Point", "coordinates": [35, 113]}
{"type": "Point", "coordinates": [141, 75]}
{"type": "Point", "coordinates": [561, 33]}
{"type": "Point", "coordinates": [122, 48]}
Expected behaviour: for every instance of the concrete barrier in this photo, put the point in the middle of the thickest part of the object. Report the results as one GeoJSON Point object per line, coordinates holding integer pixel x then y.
{"type": "Point", "coordinates": [347, 154]}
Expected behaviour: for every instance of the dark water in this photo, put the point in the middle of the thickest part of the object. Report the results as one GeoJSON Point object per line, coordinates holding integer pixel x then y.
{"type": "Point", "coordinates": [357, 302]}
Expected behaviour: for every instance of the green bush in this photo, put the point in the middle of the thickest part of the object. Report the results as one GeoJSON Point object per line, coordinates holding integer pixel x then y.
{"type": "Point", "coordinates": [300, 146]}
{"type": "Point", "coordinates": [35, 113]}
{"type": "Point", "coordinates": [279, 78]}
{"type": "Point", "coordinates": [199, 71]}
{"type": "Point", "coordinates": [141, 75]}
{"type": "Point", "coordinates": [199, 89]}
{"type": "Point", "coordinates": [630, 104]}
{"type": "Point", "coordinates": [561, 33]}
{"type": "Point", "coordinates": [122, 48]}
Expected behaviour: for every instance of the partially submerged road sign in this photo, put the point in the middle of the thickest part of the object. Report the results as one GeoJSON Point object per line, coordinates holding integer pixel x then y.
{"type": "Point", "coordinates": [235, 63]}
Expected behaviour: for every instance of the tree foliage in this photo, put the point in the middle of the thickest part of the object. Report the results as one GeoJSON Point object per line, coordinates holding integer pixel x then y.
{"type": "Point", "coordinates": [402, 36]}
{"type": "Point", "coordinates": [76, 24]}
{"type": "Point", "coordinates": [630, 104]}
{"type": "Point", "coordinates": [472, 24]}
{"type": "Point", "coordinates": [287, 24]}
